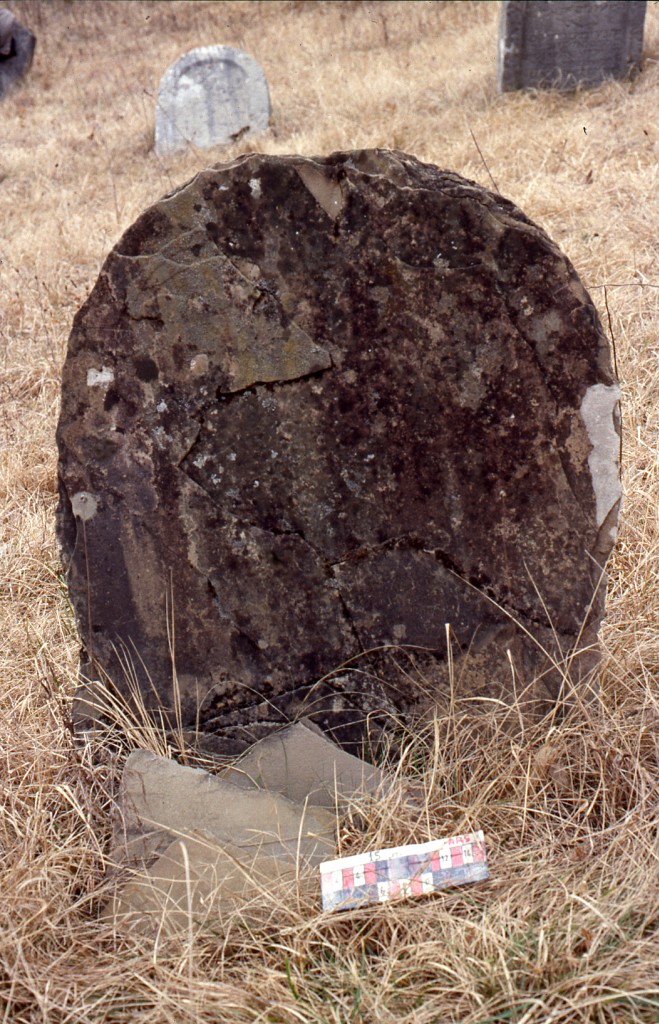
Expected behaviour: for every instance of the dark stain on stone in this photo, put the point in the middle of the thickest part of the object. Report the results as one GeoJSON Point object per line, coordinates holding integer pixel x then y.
{"type": "Point", "coordinates": [146, 235]}
{"type": "Point", "coordinates": [145, 368]}
{"type": "Point", "coordinates": [213, 232]}
{"type": "Point", "coordinates": [111, 399]}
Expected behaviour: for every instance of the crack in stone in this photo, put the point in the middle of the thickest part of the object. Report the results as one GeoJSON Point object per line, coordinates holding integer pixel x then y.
{"type": "Point", "coordinates": [260, 338]}
{"type": "Point", "coordinates": [281, 532]}
{"type": "Point", "coordinates": [201, 418]}
{"type": "Point", "coordinates": [272, 385]}
{"type": "Point", "coordinates": [564, 459]}
{"type": "Point", "coordinates": [485, 589]}
{"type": "Point", "coordinates": [516, 322]}
{"type": "Point", "coordinates": [514, 319]}
{"type": "Point", "coordinates": [137, 318]}
{"type": "Point", "coordinates": [480, 585]}
{"type": "Point", "coordinates": [226, 397]}
{"type": "Point", "coordinates": [311, 696]}
{"type": "Point", "coordinates": [415, 544]}
{"type": "Point", "coordinates": [347, 614]}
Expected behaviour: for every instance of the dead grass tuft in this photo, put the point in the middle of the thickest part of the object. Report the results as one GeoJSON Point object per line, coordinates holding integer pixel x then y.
{"type": "Point", "coordinates": [566, 928]}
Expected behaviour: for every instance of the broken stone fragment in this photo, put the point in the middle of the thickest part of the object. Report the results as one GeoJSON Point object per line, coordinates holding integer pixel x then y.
{"type": "Point", "coordinates": [197, 881]}
{"type": "Point", "coordinates": [197, 846]}
{"type": "Point", "coordinates": [160, 801]}
{"type": "Point", "coordinates": [316, 410]}
{"type": "Point", "coordinates": [304, 766]}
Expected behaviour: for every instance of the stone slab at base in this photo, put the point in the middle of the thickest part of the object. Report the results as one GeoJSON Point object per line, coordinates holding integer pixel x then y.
{"type": "Point", "coordinates": [197, 881]}
{"type": "Point", "coordinates": [304, 766]}
{"type": "Point", "coordinates": [160, 801]}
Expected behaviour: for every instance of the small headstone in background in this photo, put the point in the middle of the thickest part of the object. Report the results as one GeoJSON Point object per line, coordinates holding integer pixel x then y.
{"type": "Point", "coordinates": [17, 45]}
{"type": "Point", "coordinates": [211, 95]}
{"type": "Point", "coordinates": [548, 45]}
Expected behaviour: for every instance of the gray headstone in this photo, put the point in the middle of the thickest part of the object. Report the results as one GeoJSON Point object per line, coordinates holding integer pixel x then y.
{"type": "Point", "coordinates": [560, 44]}
{"type": "Point", "coordinates": [17, 45]}
{"type": "Point", "coordinates": [8, 25]}
{"type": "Point", "coordinates": [211, 95]}
{"type": "Point", "coordinates": [333, 404]}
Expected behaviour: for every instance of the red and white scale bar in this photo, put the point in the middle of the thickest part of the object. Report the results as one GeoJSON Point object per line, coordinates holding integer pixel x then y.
{"type": "Point", "coordinates": [382, 875]}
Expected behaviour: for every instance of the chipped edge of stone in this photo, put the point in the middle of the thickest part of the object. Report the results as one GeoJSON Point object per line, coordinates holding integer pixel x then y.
{"type": "Point", "coordinates": [600, 412]}
{"type": "Point", "coordinates": [327, 192]}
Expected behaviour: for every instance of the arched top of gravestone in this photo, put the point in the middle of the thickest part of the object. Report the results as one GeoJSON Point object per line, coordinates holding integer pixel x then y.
{"type": "Point", "coordinates": [211, 95]}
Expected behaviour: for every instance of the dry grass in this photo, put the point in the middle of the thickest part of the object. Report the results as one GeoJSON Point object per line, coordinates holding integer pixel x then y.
{"type": "Point", "coordinates": [566, 929]}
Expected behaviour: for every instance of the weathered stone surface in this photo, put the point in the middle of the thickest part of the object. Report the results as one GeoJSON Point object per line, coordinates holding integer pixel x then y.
{"type": "Point", "coordinates": [211, 95]}
{"type": "Point", "coordinates": [314, 407]}
{"type": "Point", "coordinates": [17, 45]}
{"type": "Point", "coordinates": [549, 45]}
{"type": "Point", "coordinates": [160, 801]}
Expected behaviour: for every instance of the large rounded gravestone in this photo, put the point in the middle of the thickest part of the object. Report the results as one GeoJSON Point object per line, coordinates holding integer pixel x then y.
{"type": "Point", "coordinates": [314, 407]}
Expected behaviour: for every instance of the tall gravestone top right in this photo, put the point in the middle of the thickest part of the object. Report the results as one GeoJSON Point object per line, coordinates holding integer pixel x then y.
{"type": "Point", "coordinates": [548, 45]}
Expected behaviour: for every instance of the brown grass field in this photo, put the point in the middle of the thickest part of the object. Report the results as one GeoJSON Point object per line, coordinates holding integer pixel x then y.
{"type": "Point", "coordinates": [567, 927]}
